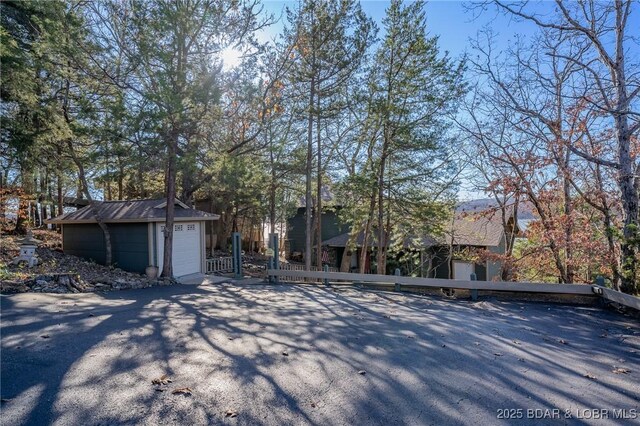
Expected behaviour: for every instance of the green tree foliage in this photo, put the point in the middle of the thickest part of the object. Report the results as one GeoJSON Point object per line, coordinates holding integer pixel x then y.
{"type": "Point", "coordinates": [405, 168]}
{"type": "Point", "coordinates": [130, 99]}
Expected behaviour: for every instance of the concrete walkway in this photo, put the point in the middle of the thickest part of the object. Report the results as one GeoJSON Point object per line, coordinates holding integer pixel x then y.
{"type": "Point", "coordinates": [283, 354]}
{"type": "Point", "coordinates": [202, 279]}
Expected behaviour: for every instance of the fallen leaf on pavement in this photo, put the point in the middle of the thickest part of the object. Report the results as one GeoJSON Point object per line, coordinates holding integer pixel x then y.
{"type": "Point", "coordinates": [162, 380]}
{"type": "Point", "coordinates": [45, 336]}
{"type": "Point", "coordinates": [182, 391]}
{"type": "Point", "coordinates": [285, 353]}
{"type": "Point", "coordinates": [590, 376]}
{"type": "Point", "coordinates": [362, 372]}
{"type": "Point", "coordinates": [497, 354]}
{"type": "Point", "coordinates": [564, 342]}
{"type": "Point", "coordinates": [231, 413]}
{"type": "Point", "coordinates": [620, 370]}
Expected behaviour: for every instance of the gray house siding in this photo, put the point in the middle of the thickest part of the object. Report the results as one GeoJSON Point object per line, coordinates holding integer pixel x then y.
{"type": "Point", "coordinates": [296, 229]}
{"type": "Point", "coordinates": [493, 268]}
{"type": "Point", "coordinates": [440, 265]}
{"type": "Point", "coordinates": [129, 244]}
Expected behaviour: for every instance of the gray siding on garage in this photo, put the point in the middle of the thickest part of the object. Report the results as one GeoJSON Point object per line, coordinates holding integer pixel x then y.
{"type": "Point", "coordinates": [440, 265]}
{"type": "Point", "coordinates": [129, 244]}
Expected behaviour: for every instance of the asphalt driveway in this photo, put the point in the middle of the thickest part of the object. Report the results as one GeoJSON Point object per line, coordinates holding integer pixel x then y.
{"type": "Point", "coordinates": [257, 354]}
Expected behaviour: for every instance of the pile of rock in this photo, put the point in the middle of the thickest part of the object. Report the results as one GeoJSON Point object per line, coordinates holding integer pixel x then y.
{"type": "Point", "coordinates": [57, 283]}
{"type": "Point", "coordinates": [57, 272]}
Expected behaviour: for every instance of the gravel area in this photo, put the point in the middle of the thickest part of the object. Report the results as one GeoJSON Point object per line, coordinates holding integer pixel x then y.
{"type": "Point", "coordinates": [303, 354]}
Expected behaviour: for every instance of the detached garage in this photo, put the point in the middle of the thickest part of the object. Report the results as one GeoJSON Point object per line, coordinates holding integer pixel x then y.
{"type": "Point", "coordinates": [137, 235]}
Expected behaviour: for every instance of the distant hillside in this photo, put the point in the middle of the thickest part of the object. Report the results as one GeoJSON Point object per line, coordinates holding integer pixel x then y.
{"type": "Point", "coordinates": [525, 209]}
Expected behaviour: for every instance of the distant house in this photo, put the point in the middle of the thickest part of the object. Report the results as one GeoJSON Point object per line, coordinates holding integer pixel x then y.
{"type": "Point", "coordinates": [473, 233]}
{"type": "Point", "coordinates": [445, 256]}
{"type": "Point", "coordinates": [296, 230]}
{"type": "Point", "coordinates": [137, 239]}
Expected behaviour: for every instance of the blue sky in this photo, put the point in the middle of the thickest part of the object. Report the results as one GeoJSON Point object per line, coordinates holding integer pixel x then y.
{"type": "Point", "coordinates": [447, 19]}
{"type": "Point", "coordinates": [455, 25]}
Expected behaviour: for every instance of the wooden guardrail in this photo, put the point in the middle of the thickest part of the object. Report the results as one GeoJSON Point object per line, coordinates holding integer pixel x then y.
{"type": "Point", "coordinates": [583, 289]}
{"type": "Point", "coordinates": [617, 297]}
{"type": "Point", "coordinates": [296, 267]}
{"type": "Point", "coordinates": [522, 287]}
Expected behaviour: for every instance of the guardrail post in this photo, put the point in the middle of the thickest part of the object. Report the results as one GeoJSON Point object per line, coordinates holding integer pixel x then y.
{"type": "Point", "coordinates": [326, 270]}
{"type": "Point", "coordinates": [474, 291]}
{"type": "Point", "coordinates": [275, 259]}
{"type": "Point", "coordinates": [237, 255]}
{"type": "Point", "coordinates": [599, 281]}
{"type": "Point", "coordinates": [397, 285]}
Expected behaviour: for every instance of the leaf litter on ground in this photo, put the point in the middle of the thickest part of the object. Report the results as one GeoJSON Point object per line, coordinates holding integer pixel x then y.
{"type": "Point", "coordinates": [620, 370]}
{"type": "Point", "coordinates": [182, 391]}
{"type": "Point", "coordinates": [162, 380]}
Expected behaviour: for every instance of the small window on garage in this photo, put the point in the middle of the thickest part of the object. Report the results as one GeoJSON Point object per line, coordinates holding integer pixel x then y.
{"type": "Point", "coordinates": [191, 227]}
{"type": "Point", "coordinates": [178, 228]}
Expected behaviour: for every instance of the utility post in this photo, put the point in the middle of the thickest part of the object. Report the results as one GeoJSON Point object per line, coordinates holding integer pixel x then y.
{"type": "Point", "coordinates": [274, 261]}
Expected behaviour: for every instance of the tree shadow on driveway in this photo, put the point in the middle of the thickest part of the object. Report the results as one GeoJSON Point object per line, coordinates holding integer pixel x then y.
{"type": "Point", "coordinates": [304, 354]}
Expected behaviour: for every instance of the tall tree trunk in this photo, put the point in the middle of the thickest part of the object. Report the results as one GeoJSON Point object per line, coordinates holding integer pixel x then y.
{"type": "Point", "coordinates": [251, 234]}
{"type": "Point", "coordinates": [59, 193]}
{"type": "Point", "coordinates": [93, 205]}
{"type": "Point", "coordinates": [627, 182]}
{"type": "Point", "coordinates": [120, 178]}
{"type": "Point", "coordinates": [319, 186]}
{"type": "Point", "coordinates": [272, 184]}
{"type": "Point", "coordinates": [309, 166]}
{"type": "Point", "coordinates": [382, 235]}
{"type": "Point", "coordinates": [367, 231]}
{"type": "Point", "coordinates": [22, 219]}
{"type": "Point", "coordinates": [43, 196]}
{"type": "Point", "coordinates": [142, 193]}
{"type": "Point", "coordinates": [170, 185]}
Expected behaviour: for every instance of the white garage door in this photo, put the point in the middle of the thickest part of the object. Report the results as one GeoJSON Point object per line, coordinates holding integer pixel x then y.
{"type": "Point", "coordinates": [186, 247]}
{"type": "Point", "coordinates": [462, 270]}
